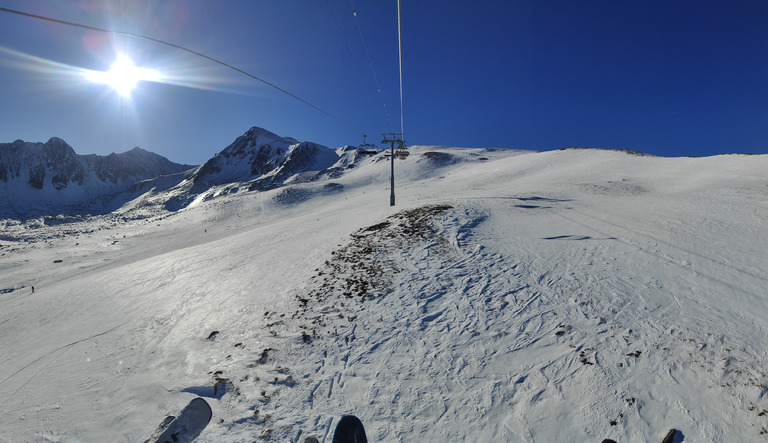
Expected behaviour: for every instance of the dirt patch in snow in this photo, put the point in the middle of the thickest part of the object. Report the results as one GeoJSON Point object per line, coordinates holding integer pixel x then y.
{"type": "Point", "coordinates": [362, 268]}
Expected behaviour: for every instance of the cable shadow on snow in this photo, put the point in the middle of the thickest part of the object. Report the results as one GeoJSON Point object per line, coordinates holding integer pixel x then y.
{"type": "Point", "coordinates": [577, 237]}
{"type": "Point", "coordinates": [543, 199]}
{"type": "Point", "coordinates": [528, 202]}
{"type": "Point", "coordinates": [530, 199]}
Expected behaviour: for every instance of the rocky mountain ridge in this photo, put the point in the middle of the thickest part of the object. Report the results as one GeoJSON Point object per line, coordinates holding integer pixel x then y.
{"type": "Point", "coordinates": [55, 164]}
{"type": "Point", "coordinates": [46, 178]}
{"type": "Point", "coordinates": [36, 177]}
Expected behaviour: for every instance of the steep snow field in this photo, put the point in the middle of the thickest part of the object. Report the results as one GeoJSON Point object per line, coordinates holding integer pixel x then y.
{"type": "Point", "coordinates": [565, 296]}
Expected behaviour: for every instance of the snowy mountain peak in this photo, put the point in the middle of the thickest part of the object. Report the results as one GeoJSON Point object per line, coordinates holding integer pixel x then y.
{"type": "Point", "coordinates": [56, 143]}
{"type": "Point", "coordinates": [261, 155]}
{"type": "Point", "coordinates": [256, 132]}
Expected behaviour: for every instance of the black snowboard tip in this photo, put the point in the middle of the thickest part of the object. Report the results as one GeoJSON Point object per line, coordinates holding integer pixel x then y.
{"type": "Point", "coordinates": [670, 438]}
{"type": "Point", "coordinates": [349, 430]}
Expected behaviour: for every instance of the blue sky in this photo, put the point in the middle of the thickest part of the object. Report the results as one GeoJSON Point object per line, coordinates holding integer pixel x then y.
{"type": "Point", "coordinates": [667, 77]}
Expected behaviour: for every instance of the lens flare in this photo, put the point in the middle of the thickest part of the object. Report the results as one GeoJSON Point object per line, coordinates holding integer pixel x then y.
{"type": "Point", "coordinates": [123, 76]}
{"type": "Point", "coordinates": [63, 78]}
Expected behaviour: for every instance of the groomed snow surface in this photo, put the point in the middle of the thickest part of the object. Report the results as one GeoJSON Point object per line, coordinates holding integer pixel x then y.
{"type": "Point", "coordinates": [565, 296]}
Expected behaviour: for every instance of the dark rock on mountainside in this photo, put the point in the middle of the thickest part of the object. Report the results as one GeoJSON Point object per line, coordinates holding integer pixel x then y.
{"type": "Point", "coordinates": [32, 162]}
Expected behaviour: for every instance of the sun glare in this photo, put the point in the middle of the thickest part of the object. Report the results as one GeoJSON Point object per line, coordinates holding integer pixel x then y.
{"type": "Point", "coordinates": [123, 76]}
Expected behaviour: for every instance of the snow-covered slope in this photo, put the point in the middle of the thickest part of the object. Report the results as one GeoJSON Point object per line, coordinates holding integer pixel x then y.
{"type": "Point", "coordinates": [513, 296]}
{"type": "Point", "coordinates": [44, 177]}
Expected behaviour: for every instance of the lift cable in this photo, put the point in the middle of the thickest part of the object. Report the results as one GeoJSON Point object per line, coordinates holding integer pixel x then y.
{"type": "Point", "coordinates": [162, 42]}
{"type": "Point", "coordinates": [338, 26]}
{"type": "Point", "coordinates": [370, 63]}
{"type": "Point", "coordinates": [400, 51]}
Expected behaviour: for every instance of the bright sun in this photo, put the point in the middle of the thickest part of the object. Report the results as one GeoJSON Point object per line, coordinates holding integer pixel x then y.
{"type": "Point", "coordinates": [123, 76]}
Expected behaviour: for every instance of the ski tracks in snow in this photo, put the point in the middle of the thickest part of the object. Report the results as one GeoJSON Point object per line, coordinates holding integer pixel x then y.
{"type": "Point", "coordinates": [638, 345]}
{"type": "Point", "coordinates": [465, 315]}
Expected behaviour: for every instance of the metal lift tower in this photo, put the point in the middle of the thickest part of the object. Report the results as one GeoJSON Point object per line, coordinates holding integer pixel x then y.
{"type": "Point", "coordinates": [392, 138]}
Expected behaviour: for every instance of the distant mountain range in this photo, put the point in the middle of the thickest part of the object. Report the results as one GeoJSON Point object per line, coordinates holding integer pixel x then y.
{"type": "Point", "coordinates": [47, 178]}
{"type": "Point", "coordinates": [55, 165]}
{"type": "Point", "coordinates": [40, 176]}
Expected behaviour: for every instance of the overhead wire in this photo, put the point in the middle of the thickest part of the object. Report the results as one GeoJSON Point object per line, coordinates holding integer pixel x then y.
{"type": "Point", "coordinates": [172, 45]}
{"type": "Point", "coordinates": [338, 26]}
{"type": "Point", "coordinates": [370, 63]}
{"type": "Point", "coordinates": [400, 52]}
